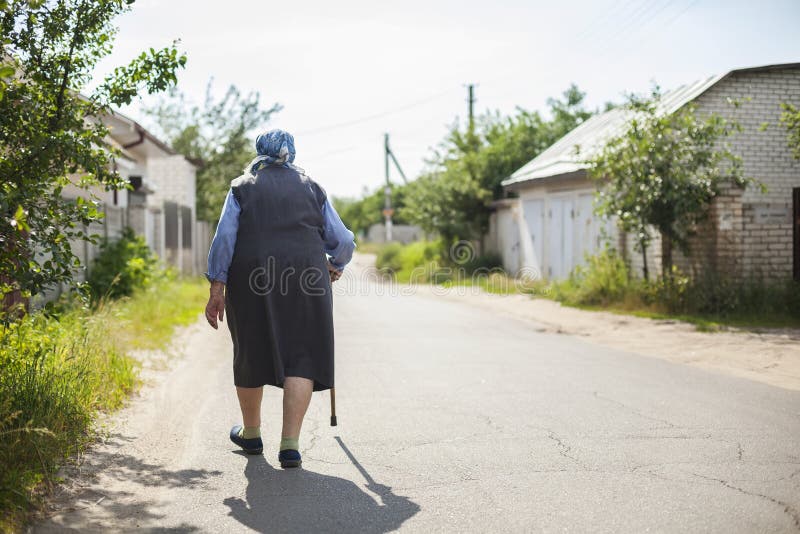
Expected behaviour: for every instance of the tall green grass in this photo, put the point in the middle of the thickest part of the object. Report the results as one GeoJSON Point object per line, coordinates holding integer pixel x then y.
{"type": "Point", "coordinates": [148, 320]}
{"type": "Point", "coordinates": [708, 300]}
{"type": "Point", "coordinates": [606, 282]}
{"type": "Point", "coordinates": [59, 371]}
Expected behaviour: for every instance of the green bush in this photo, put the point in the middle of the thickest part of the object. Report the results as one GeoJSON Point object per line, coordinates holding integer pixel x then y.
{"type": "Point", "coordinates": [485, 262]}
{"type": "Point", "coordinates": [122, 266]}
{"type": "Point", "coordinates": [419, 261]}
{"type": "Point", "coordinates": [602, 281]}
{"type": "Point", "coordinates": [419, 255]}
{"type": "Point", "coordinates": [719, 296]}
{"type": "Point", "coordinates": [388, 257]}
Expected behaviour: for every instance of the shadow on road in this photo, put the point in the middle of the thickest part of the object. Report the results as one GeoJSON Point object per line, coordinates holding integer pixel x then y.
{"type": "Point", "coordinates": [298, 500]}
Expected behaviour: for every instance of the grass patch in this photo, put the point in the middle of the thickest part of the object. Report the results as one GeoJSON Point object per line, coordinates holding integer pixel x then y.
{"type": "Point", "coordinates": [497, 282]}
{"type": "Point", "coordinates": [703, 323]}
{"type": "Point", "coordinates": [58, 371]}
{"type": "Point", "coordinates": [148, 320]}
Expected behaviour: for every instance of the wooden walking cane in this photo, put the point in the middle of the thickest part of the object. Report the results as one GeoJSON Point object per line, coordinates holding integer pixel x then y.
{"type": "Point", "coordinates": [334, 276]}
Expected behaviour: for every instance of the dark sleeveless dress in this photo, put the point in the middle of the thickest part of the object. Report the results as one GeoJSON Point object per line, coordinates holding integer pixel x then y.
{"type": "Point", "coordinates": [278, 301]}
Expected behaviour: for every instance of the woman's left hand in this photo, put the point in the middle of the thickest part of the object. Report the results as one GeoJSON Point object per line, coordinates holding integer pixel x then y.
{"type": "Point", "coordinates": [215, 309]}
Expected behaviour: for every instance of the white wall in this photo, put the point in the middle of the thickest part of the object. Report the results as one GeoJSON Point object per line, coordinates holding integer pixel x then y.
{"type": "Point", "coordinates": [505, 238]}
{"type": "Point", "coordinates": [173, 179]}
{"type": "Point", "coordinates": [401, 233]}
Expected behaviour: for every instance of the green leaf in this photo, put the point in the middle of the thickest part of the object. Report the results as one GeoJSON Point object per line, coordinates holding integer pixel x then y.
{"type": "Point", "coordinates": [19, 221]}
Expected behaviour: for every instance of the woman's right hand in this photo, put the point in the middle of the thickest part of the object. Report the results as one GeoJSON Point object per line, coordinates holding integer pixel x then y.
{"type": "Point", "coordinates": [215, 309]}
{"type": "Point", "coordinates": [334, 272]}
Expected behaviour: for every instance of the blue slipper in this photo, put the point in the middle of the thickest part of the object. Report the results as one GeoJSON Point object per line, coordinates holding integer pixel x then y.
{"type": "Point", "coordinates": [289, 458]}
{"type": "Point", "coordinates": [250, 446]}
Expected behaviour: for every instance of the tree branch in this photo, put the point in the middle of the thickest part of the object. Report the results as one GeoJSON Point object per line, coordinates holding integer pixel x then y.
{"type": "Point", "coordinates": [62, 91]}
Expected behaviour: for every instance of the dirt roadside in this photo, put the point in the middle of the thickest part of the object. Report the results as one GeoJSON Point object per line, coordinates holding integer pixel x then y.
{"type": "Point", "coordinates": [768, 356]}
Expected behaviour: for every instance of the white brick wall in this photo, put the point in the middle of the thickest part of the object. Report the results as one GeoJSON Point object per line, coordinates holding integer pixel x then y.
{"type": "Point", "coordinates": [760, 240]}
{"type": "Point", "coordinates": [173, 179]}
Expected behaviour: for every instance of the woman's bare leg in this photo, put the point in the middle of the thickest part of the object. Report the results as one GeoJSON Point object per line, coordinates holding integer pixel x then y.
{"type": "Point", "coordinates": [296, 397]}
{"type": "Point", "coordinates": [250, 403]}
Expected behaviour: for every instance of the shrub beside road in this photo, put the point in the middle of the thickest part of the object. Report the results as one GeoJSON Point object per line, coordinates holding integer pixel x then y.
{"type": "Point", "coordinates": [63, 366]}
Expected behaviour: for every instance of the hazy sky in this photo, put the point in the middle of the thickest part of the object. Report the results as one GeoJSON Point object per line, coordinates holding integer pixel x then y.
{"type": "Point", "coordinates": [348, 71]}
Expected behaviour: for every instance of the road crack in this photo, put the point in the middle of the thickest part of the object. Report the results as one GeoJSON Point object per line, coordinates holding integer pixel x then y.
{"type": "Point", "coordinates": [633, 410]}
{"type": "Point", "coordinates": [563, 449]}
{"type": "Point", "coordinates": [314, 437]}
{"type": "Point", "coordinates": [788, 509]}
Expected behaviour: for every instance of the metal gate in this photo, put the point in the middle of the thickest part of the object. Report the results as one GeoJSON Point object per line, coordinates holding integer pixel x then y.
{"type": "Point", "coordinates": [186, 227]}
{"type": "Point", "coordinates": [171, 225]}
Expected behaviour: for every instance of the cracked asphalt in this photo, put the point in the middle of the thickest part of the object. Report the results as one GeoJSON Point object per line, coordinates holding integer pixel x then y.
{"type": "Point", "coordinates": [451, 418]}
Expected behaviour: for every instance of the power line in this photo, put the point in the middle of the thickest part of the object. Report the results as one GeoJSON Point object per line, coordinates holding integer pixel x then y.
{"type": "Point", "coordinates": [666, 25]}
{"type": "Point", "coordinates": [375, 116]}
{"type": "Point", "coordinates": [633, 18]}
{"type": "Point", "coordinates": [629, 26]}
{"type": "Point", "coordinates": [654, 15]}
{"type": "Point", "coordinates": [689, 6]}
{"type": "Point", "coordinates": [653, 18]}
{"type": "Point", "coordinates": [613, 11]}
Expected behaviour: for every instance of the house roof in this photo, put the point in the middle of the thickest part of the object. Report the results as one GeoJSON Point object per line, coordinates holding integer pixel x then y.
{"type": "Point", "coordinates": [570, 153]}
{"type": "Point", "coordinates": [129, 133]}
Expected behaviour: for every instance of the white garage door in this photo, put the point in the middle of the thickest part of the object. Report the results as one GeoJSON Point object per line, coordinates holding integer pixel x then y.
{"type": "Point", "coordinates": [563, 230]}
{"type": "Point", "coordinates": [560, 233]}
{"type": "Point", "coordinates": [533, 211]}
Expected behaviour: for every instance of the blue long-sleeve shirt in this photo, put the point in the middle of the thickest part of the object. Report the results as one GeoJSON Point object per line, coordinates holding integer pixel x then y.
{"type": "Point", "coordinates": [338, 241]}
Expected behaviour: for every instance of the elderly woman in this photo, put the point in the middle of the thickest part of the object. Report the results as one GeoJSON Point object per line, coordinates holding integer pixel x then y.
{"type": "Point", "coordinates": [279, 244]}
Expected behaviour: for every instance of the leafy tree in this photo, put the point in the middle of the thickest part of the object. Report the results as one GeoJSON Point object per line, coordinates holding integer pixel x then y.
{"type": "Point", "coordinates": [217, 135]}
{"type": "Point", "coordinates": [663, 173]}
{"type": "Point", "coordinates": [452, 199]}
{"type": "Point", "coordinates": [449, 202]}
{"type": "Point", "coordinates": [360, 214]}
{"type": "Point", "coordinates": [50, 133]}
{"type": "Point", "coordinates": [790, 118]}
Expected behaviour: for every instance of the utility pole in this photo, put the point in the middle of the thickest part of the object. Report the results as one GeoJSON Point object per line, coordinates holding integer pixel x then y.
{"type": "Point", "coordinates": [472, 139]}
{"type": "Point", "coordinates": [387, 191]}
{"type": "Point", "coordinates": [388, 210]}
{"type": "Point", "coordinates": [471, 100]}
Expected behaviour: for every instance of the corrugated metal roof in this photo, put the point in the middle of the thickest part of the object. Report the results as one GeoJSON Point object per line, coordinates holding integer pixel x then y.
{"type": "Point", "coordinates": [570, 153]}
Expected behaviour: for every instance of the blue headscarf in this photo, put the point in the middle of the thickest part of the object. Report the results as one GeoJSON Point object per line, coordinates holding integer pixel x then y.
{"type": "Point", "coordinates": [274, 146]}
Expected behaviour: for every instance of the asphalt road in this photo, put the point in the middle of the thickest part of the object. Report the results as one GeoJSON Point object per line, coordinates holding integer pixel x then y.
{"type": "Point", "coordinates": [451, 418]}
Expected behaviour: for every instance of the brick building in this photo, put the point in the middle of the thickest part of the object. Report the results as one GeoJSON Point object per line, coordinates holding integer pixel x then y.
{"type": "Point", "coordinates": [551, 227]}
